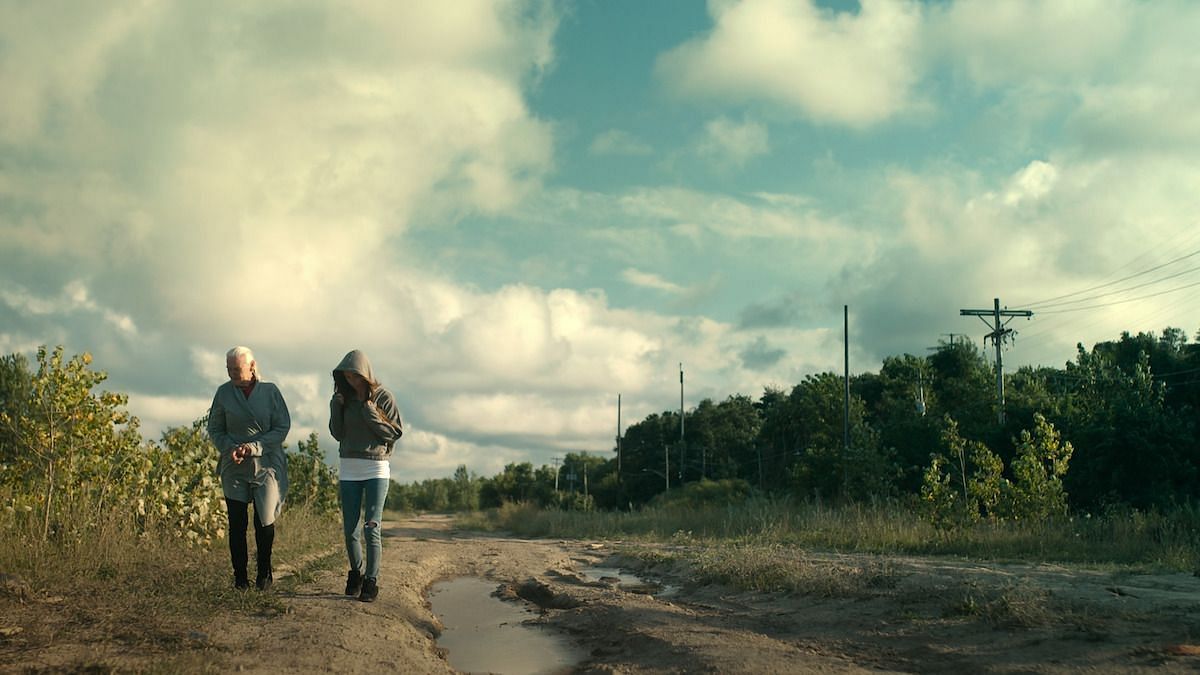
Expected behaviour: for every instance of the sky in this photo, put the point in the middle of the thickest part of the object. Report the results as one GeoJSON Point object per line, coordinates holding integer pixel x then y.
{"type": "Point", "coordinates": [521, 210]}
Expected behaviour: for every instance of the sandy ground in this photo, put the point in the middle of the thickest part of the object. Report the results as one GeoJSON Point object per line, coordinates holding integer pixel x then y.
{"type": "Point", "coordinates": [912, 615]}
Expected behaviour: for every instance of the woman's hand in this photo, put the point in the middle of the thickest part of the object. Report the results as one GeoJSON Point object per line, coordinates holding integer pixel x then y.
{"type": "Point", "coordinates": [240, 453]}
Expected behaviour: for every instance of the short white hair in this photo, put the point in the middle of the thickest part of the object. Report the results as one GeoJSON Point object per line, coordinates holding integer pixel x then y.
{"type": "Point", "coordinates": [240, 353]}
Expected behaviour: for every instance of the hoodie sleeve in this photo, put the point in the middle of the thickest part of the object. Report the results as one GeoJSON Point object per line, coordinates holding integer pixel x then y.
{"type": "Point", "coordinates": [383, 418]}
{"type": "Point", "coordinates": [337, 420]}
{"type": "Point", "coordinates": [281, 423]}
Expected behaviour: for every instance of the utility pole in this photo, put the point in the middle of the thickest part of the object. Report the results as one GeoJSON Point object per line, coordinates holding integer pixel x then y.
{"type": "Point", "coordinates": [846, 397]}
{"type": "Point", "coordinates": [682, 444]}
{"type": "Point", "coordinates": [921, 393]}
{"type": "Point", "coordinates": [758, 451]}
{"type": "Point", "coordinates": [667, 467]}
{"type": "Point", "coordinates": [998, 335]}
{"type": "Point", "coordinates": [954, 335]}
{"type": "Point", "coordinates": [556, 460]}
{"type": "Point", "coordinates": [620, 483]}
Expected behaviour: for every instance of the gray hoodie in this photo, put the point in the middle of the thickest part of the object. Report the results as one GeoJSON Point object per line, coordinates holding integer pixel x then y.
{"type": "Point", "coordinates": [364, 429]}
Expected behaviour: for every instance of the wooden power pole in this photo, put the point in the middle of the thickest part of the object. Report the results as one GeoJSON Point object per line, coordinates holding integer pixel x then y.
{"type": "Point", "coordinates": [998, 335]}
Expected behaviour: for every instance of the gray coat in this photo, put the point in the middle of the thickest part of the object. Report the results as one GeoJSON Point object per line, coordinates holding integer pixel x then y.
{"type": "Point", "coordinates": [262, 420]}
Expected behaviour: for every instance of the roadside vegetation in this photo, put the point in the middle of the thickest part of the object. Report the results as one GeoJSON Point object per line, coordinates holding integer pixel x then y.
{"type": "Point", "coordinates": [1119, 537]}
{"type": "Point", "coordinates": [711, 533]}
{"type": "Point", "coordinates": [1096, 463]}
{"type": "Point", "coordinates": [110, 537]}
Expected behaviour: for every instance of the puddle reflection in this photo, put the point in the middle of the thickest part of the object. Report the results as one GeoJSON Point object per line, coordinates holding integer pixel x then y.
{"type": "Point", "coordinates": [484, 634]}
{"type": "Point", "coordinates": [630, 582]}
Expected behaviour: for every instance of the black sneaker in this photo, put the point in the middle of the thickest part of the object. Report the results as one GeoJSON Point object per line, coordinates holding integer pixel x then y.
{"type": "Point", "coordinates": [370, 590]}
{"type": "Point", "coordinates": [264, 581]}
{"type": "Point", "coordinates": [354, 582]}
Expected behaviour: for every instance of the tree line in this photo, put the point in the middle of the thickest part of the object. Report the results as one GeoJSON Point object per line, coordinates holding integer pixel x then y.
{"type": "Point", "coordinates": [1115, 427]}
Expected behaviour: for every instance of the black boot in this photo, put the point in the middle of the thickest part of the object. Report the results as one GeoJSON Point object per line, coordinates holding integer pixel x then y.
{"type": "Point", "coordinates": [370, 590]}
{"type": "Point", "coordinates": [354, 582]}
{"type": "Point", "coordinates": [264, 539]}
{"type": "Point", "coordinates": [238, 553]}
{"type": "Point", "coordinates": [264, 580]}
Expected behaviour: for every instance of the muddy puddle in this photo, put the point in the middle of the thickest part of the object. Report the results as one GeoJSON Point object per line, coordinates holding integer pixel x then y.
{"type": "Point", "coordinates": [483, 634]}
{"type": "Point", "coordinates": [629, 582]}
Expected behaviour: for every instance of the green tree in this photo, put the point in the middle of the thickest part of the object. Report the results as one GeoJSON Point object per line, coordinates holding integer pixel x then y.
{"type": "Point", "coordinates": [1038, 469]}
{"type": "Point", "coordinates": [824, 466]}
{"type": "Point", "coordinates": [464, 490]}
{"type": "Point", "coordinates": [1129, 446]}
{"type": "Point", "coordinates": [68, 453]}
{"type": "Point", "coordinates": [964, 386]}
{"type": "Point", "coordinates": [517, 483]}
{"type": "Point", "coordinates": [903, 416]}
{"type": "Point", "coordinates": [721, 438]}
{"type": "Point", "coordinates": [964, 483]}
{"type": "Point", "coordinates": [310, 480]}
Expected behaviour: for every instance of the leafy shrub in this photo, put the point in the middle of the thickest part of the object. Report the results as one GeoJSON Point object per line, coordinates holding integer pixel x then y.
{"type": "Point", "coordinates": [705, 492]}
{"type": "Point", "coordinates": [966, 483]}
{"type": "Point", "coordinates": [311, 482]}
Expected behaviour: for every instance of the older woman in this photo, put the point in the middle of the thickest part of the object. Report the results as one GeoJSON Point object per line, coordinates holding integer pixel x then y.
{"type": "Point", "coordinates": [248, 422]}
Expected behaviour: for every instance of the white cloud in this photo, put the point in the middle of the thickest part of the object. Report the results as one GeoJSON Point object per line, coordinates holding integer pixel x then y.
{"type": "Point", "coordinates": [1016, 41]}
{"type": "Point", "coordinates": [852, 69]}
{"type": "Point", "coordinates": [650, 280]}
{"type": "Point", "coordinates": [1031, 183]}
{"type": "Point", "coordinates": [160, 412]}
{"type": "Point", "coordinates": [1112, 68]}
{"type": "Point", "coordinates": [734, 142]}
{"type": "Point", "coordinates": [424, 454]}
{"type": "Point", "coordinates": [181, 179]}
{"type": "Point", "coordinates": [303, 170]}
{"type": "Point", "coordinates": [619, 142]}
{"type": "Point", "coordinates": [75, 297]}
{"type": "Point", "coordinates": [749, 217]}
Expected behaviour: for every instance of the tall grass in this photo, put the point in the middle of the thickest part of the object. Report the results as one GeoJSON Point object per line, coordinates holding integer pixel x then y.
{"type": "Point", "coordinates": [122, 583]}
{"type": "Point", "coordinates": [1168, 541]}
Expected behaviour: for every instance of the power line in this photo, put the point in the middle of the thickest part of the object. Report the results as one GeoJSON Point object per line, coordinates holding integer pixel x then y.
{"type": "Point", "coordinates": [1122, 290]}
{"type": "Point", "coordinates": [1119, 302]}
{"type": "Point", "coordinates": [1116, 281]}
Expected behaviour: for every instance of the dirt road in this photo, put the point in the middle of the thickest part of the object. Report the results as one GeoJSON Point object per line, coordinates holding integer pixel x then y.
{"type": "Point", "coordinates": [915, 615]}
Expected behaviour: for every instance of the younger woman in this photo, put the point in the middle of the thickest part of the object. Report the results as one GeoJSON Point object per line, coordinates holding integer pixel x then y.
{"type": "Point", "coordinates": [364, 419]}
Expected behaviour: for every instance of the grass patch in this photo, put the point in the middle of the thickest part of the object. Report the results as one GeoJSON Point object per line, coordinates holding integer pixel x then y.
{"type": "Point", "coordinates": [1155, 541]}
{"type": "Point", "coordinates": [146, 591]}
{"type": "Point", "coordinates": [774, 568]}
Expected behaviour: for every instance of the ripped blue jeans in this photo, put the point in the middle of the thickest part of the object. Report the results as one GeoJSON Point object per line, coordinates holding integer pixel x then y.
{"type": "Point", "coordinates": [362, 515]}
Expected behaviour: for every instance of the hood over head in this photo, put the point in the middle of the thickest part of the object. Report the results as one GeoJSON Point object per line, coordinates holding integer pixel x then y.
{"type": "Point", "coordinates": [355, 361]}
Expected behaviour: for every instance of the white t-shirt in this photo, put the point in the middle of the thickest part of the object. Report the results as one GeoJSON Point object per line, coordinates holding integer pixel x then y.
{"type": "Point", "coordinates": [353, 468]}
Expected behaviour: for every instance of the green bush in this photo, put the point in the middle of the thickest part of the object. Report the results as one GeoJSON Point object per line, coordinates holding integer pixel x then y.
{"type": "Point", "coordinates": [965, 484]}
{"type": "Point", "coordinates": [311, 482]}
{"type": "Point", "coordinates": [705, 493]}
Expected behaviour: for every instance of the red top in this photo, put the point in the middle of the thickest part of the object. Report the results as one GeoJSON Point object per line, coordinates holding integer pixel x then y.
{"type": "Point", "coordinates": [248, 388]}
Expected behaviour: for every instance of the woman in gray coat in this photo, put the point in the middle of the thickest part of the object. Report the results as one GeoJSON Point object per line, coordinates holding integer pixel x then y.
{"type": "Point", "coordinates": [248, 423]}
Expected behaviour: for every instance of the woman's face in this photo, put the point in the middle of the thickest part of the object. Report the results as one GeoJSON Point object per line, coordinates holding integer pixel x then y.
{"type": "Point", "coordinates": [355, 380]}
{"type": "Point", "coordinates": [241, 371]}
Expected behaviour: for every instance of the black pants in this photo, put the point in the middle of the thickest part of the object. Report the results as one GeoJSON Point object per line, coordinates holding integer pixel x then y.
{"type": "Point", "coordinates": [264, 538]}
